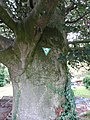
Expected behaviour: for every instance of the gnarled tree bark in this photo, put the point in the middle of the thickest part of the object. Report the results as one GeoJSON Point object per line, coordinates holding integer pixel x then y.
{"type": "Point", "coordinates": [39, 80]}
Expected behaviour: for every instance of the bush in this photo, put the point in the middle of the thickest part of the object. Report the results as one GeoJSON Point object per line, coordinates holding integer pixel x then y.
{"type": "Point", "coordinates": [4, 75]}
{"type": "Point", "coordinates": [86, 82]}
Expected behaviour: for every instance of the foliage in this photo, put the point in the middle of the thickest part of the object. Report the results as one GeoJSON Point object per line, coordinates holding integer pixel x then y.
{"type": "Point", "coordinates": [78, 26]}
{"type": "Point", "coordinates": [76, 57]}
{"type": "Point", "coordinates": [77, 20]}
{"type": "Point", "coordinates": [4, 75]}
{"type": "Point", "coordinates": [86, 82]}
{"type": "Point", "coordinates": [79, 56]}
{"type": "Point", "coordinates": [69, 106]}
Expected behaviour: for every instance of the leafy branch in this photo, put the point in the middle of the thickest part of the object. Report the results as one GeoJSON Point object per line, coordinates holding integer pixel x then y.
{"type": "Point", "coordinates": [74, 21]}
{"type": "Point", "coordinates": [71, 7]}
{"type": "Point", "coordinates": [6, 18]}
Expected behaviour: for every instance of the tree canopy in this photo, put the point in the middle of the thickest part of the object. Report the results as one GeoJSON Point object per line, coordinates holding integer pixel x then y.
{"type": "Point", "coordinates": [76, 17]}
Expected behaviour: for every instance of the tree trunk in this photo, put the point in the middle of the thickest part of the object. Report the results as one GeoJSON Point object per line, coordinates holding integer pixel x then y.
{"type": "Point", "coordinates": [39, 80]}
{"type": "Point", "coordinates": [39, 91]}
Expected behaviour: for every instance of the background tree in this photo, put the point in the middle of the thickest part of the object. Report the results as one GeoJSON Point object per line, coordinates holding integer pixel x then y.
{"type": "Point", "coordinates": [34, 46]}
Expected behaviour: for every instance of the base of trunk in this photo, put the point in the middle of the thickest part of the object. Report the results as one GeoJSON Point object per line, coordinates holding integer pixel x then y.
{"type": "Point", "coordinates": [33, 102]}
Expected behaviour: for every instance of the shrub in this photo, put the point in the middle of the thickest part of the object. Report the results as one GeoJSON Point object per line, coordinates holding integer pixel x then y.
{"type": "Point", "coordinates": [4, 75]}
{"type": "Point", "coordinates": [86, 82]}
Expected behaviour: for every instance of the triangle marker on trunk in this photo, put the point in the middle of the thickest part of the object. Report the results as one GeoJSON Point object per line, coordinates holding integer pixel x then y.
{"type": "Point", "coordinates": [46, 50]}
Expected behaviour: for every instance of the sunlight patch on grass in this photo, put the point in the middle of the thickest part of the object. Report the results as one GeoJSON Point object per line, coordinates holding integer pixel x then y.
{"type": "Point", "coordinates": [82, 92]}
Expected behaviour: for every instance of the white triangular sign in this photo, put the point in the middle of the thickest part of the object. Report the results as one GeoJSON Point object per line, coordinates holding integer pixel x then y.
{"type": "Point", "coordinates": [46, 50]}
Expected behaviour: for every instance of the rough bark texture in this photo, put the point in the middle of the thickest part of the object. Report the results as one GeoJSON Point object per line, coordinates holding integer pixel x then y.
{"type": "Point", "coordinates": [39, 81]}
{"type": "Point", "coordinates": [38, 84]}
{"type": "Point", "coordinates": [36, 90]}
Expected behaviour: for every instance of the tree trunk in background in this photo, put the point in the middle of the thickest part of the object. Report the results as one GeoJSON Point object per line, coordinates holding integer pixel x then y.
{"type": "Point", "coordinates": [39, 91]}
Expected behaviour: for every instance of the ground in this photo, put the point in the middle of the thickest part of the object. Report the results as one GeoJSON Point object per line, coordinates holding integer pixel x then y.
{"type": "Point", "coordinates": [6, 94]}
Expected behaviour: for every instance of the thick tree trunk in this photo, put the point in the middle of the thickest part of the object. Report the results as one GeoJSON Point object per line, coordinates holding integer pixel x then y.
{"type": "Point", "coordinates": [39, 80]}
{"type": "Point", "coordinates": [39, 91]}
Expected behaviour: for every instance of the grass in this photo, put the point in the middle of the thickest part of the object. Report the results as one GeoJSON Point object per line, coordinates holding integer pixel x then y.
{"type": "Point", "coordinates": [82, 92]}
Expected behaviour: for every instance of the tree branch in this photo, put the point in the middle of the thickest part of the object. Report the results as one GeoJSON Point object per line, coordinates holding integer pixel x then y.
{"type": "Point", "coordinates": [45, 9]}
{"type": "Point", "coordinates": [80, 49]}
{"type": "Point", "coordinates": [70, 7]}
{"type": "Point", "coordinates": [74, 21]}
{"type": "Point", "coordinates": [76, 42]}
{"type": "Point", "coordinates": [5, 43]}
{"type": "Point", "coordinates": [42, 10]}
{"type": "Point", "coordinates": [7, 19]}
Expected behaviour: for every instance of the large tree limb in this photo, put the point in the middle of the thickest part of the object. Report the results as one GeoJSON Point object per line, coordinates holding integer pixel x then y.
{"type": "Point", "coordinates": [5, 43]}
{"type": "Point", "coordinates": [45, 9]}
{"type": "Point", "coordinates": [6, 18]}
{"type": "Point", "coordinates": [42, 13]}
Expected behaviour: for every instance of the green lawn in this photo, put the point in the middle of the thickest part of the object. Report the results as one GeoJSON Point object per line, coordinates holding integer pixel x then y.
{"type": "Point", "coordinates": [82, 92]}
